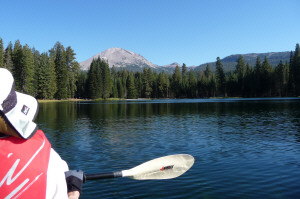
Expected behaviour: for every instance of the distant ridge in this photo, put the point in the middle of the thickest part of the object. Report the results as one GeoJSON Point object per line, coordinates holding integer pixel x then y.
{"type": "Point", "coordinates": [230, 62]}
{"type": "Point", "coordinates": [121, 58]}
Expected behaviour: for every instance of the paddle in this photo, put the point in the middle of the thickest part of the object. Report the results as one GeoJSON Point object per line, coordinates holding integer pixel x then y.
{"type": "Point", "coordinates": [166, 167]}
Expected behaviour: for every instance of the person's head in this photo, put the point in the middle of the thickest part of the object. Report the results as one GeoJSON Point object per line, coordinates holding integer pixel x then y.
{"type": "Point", "coordinates": [17, 110]}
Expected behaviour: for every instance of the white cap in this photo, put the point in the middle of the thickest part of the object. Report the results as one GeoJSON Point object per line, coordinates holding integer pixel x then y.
{"type": "Point", "coordinates": [18, 109]}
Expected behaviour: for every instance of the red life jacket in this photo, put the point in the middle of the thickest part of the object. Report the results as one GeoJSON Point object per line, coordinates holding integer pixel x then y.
{"type": "Point", "coordinates": [24, 165]}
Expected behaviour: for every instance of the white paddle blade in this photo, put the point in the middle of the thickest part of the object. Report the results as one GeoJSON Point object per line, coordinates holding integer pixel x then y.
{"type": "Point", "coordinates": [166, 167]}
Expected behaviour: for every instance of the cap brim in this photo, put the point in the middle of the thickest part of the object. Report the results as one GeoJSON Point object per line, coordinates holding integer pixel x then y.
{"type": "Point", "coordinates": [22, 115]}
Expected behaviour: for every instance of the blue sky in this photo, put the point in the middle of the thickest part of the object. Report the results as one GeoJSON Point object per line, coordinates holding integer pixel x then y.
{"type": "Point", "coordinates": [163, 31]}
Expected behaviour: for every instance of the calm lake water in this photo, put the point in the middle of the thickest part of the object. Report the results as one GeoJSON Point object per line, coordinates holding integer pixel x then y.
{"type": "Point", "coordinates": [243, 148]}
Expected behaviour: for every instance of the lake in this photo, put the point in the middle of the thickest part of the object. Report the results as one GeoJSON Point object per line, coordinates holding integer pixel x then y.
{"type": "Point", "coordinates": [243, 148]}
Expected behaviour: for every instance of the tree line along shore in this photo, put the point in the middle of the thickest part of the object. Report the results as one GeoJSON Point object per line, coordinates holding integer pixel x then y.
{"type": "Point", "coordinates": [56, 75]}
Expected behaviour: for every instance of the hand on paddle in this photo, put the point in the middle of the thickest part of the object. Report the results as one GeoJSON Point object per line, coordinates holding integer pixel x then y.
{"type": "Point", "coordinates": [166, 167]}
{"type": "Point", "coordinates": [74, 179]}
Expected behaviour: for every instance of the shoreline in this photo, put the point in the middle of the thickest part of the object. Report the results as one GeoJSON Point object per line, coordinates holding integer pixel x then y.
{"type": "Point", "coordinates": [142, 99]}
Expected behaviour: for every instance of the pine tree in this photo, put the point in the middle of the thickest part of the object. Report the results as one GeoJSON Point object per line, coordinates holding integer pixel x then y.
{"type": "Point", "coordinates": [161, 81]}
{"type": "Point", "coordinates": [1, 54]}
{"type": "Point", "coordinates": [46, 77]}
{"type": "Point", "coordinates": [106, 79]}
{"type": "Point", "coordinates": [292, 83]}
{"type": "Point", "coordinates": [28, 71]}
{"type": "Point", "coordinates": [139, 84]}
{"type": "Point", "coordinates": [167, 85]}
{"type": "Point", "coordinates": [52, 78]}
{"type": "Point", "coordinates": [279, 79]}
{"type": "Point", "coordinates": [202, 84]}
{"type": "Point", "coordinates": [114, 76]}
{"type": "Point", "coordinates": [296, 67]}
{"type": "Point", "coordinates": [115, 88]}
{"type": "Point", "coordinates": [258, 74]}
{"type": "Point", "coordinates": [184, 81]}
{"type": "Point", "coordinates": [249, 82]}
{"type": "Point", "coordinates": [192, 85]}
{"type": "Point", "coordinates": [206, 85]}
{"type": "Point", "coordinates": [120, 89]}
{"type": "Point", "coordinates": [207, 71]}
{"type": "Point", "coordinates": [147, 82]}
{"type": "Point", "coordinates": [176, 82]}
{"type": "Point", "coordinates": [8, 62]}
{"type": "Point", "coordinates": [61, 70]}
{"type": "Point", "coordinates": [154, 92]}
{"type": "Point", "coordinates": [122, 86]}
{"type": "Point", "coordinates": [36, 63]}
{"type": "Point", "coordinates": [286, 78]}
{"type": "Point", "coordinates": [81, 85]}
{"type": "Point", "coordinates": [232, 84]}
{"type": "Point", "coordinates": [94, 80]}
{"type": "Point", "coordinates": [212, 86]}
{"type": "Point", "coordinates": [73, 71]}
{"type": "Point", "coordinates": [267, 79]}
{"type": "Point", "coordinates": [240, 71]}
{"type": "Point", "coordinates": [18, 69]}
{"type": "Point", "coordinates": [131, 91]}
{"type": "Point", "coordinates": [23, 70]}
{"type": "Point", "coordinates": [220, 77]}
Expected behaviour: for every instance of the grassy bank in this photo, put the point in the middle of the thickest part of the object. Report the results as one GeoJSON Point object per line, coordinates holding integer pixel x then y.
{"type": "Point", "coordinates": [76, 100]}
{"type": "Point", "coordinates": [115, 99]}
{"type": "Point", "coordinates": [62, 100]}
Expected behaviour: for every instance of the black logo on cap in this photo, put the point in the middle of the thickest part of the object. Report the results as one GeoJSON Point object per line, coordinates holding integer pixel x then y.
{"type": "Point", "coordinates": [25, 109]}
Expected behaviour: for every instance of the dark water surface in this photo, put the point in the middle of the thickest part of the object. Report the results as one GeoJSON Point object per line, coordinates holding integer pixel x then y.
{"type": "Point", "coordinates": [243, 148]}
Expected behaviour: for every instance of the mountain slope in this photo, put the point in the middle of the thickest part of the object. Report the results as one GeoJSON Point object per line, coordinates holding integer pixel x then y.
{"type": "Point", "coordinates": [119, 57]}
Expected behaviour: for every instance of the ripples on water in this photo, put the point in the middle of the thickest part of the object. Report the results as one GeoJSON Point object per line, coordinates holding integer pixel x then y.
{"type": "Point", "coordinates": [242, 148]}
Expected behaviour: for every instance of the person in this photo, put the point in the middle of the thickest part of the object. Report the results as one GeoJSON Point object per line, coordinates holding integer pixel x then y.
{"type": "Point", "coordinates": [30, 167]}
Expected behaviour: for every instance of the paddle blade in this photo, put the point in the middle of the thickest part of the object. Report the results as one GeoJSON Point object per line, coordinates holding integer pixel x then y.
{"type": "Point", "coordinates": [166, 167]}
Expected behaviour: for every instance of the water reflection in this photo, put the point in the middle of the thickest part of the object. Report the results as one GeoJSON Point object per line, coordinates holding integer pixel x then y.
{"type": "Point", "coordinates": [243, 148]}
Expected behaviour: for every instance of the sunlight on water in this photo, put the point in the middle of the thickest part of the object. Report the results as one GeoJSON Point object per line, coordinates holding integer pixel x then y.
{"type": "Point", "coordinates": [243, 148]}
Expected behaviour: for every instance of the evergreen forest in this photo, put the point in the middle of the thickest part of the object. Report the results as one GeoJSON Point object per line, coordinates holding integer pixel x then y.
{"type": "Point", "coordinates": [56, 75]}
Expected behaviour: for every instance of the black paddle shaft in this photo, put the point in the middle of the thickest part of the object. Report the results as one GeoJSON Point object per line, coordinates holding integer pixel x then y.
{"type": "Point", "coordinates": [104, 175]}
